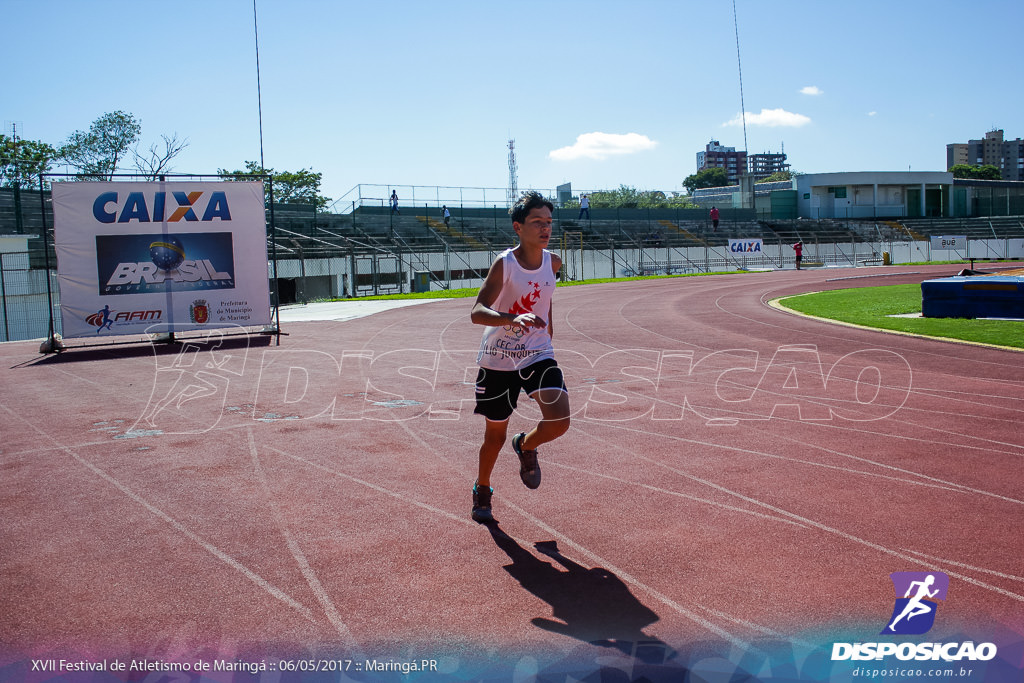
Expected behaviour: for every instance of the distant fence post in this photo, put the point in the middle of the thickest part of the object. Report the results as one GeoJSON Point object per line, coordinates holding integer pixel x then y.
{"type": "Point", "coordinates": [3, 295]}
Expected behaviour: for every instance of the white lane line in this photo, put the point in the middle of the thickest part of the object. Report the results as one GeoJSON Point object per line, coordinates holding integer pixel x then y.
{"type": "Point", "coordinates": [928, 481]}
{"type": "Point", "coordinates": [810, 522]}
{"type": "Point", "coordinates": [600, 561]}
{"type": "Point", "coordinates": [968, 566]}
{"type": "Point", "coordinates": [206, 545]}
{"type": "Point", "coordinates": [668, 492]}
{"type": "Point", "coordinates": [380, 489]}
{"type": "Point", "coordinates": [300, 558]}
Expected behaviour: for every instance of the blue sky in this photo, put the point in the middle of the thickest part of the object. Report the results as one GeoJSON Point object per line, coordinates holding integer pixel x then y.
{"type": "Point", "coordinates": [595, 93]}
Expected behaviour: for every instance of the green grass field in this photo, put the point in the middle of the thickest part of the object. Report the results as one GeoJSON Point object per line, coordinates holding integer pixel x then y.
{"type": "Point", "coordinates": [875, 306]}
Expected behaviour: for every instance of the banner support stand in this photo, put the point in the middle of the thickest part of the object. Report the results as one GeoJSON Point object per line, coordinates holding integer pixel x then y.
{"type": "Point", "coordinates": [52, 343]}
{"type": "Point", "coordinates": [274, 328]}
{"type": "Point", "coordinates": [159, 339]}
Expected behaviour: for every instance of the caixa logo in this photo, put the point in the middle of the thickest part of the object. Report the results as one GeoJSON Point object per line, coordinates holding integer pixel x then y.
{"type": "Point", "coordinates": [106, 208]}
{"type": "Point", "coordinates": [104, 319]}
{"type": "Point", "coordinates": [745, 247]}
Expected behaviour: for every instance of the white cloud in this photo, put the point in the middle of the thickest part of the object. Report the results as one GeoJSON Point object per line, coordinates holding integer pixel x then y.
{"type": "Point", "coordinates": [771, 118]}
{"type": "Point", "coordinates": [812, 90]}
{"type": "Point", "coordinates": [603, 145]}
{"type": "Point", "coordinates": [872, 113]}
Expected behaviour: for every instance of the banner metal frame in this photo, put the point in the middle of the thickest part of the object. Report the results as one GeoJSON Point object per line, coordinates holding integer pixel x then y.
{"type": "Point", "coordinates": [55, 344]}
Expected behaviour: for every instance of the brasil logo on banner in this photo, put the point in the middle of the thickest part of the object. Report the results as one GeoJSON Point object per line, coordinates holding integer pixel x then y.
{"type": "Point", "coordinates": [181, 262]}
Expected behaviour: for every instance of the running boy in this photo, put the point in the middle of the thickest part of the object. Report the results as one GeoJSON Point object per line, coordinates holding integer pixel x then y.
{"type": "Point", "coordinates": [514, 304]}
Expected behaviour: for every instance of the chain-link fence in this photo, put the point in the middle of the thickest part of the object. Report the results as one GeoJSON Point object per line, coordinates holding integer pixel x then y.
{"type": "Point", "coordinates": [23, 299]}
{"type": "Point", "coordinates": [302, 279]}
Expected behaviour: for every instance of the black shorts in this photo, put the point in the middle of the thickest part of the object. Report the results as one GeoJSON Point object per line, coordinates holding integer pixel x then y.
{"type": "Point", "coordinates": [497, 391]}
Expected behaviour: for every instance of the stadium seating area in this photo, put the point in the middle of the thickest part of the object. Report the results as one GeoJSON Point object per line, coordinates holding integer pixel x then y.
{"type": "Point", "coordinates": [298, 229]}
{"type": "Point", "coordinates": [473, 230]}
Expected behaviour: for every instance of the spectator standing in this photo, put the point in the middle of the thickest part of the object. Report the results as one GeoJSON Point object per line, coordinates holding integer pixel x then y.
{"type": "Point", "coordinates": [394, 202]}
{"type": "Point", "coordinates": [714, 219]}
{"type": "Point", "coordinates": [799, 249]}
{"type": "Point", "coordinates": [584, 206]}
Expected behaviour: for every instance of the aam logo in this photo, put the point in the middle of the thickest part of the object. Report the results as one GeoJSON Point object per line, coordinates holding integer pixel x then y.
{"type": "Point", "coordinates": [105, 318]}
{"type": "Point", "coordinates": [136, 208]}
{"type": "Point", "coordinates": [916, 595]}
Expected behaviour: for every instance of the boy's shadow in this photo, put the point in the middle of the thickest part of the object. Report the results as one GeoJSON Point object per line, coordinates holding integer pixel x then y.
{"type": "Point", "coordinates": [591, 605]}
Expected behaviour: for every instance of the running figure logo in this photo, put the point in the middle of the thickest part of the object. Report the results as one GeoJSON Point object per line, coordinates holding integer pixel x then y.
{"type": "Point", "coordinates": [914, 612]}
{"type": "Point", "coordinates": [101, 319]}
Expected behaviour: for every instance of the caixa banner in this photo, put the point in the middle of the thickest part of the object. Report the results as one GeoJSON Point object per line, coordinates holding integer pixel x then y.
{"type": "Point", "coordinates": [137, 257]}
{"type": "Point", "coordinates": [752, 247]}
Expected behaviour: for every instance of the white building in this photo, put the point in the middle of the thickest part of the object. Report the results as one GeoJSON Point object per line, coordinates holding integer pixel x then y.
{"type": "Point", "coordinates": [910, 194]}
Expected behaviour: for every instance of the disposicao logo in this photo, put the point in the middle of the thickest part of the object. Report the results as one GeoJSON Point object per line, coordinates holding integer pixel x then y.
{"type": "Point", "coordinates": [916, 595]}
{"type": "Point", "coordinates": [914, 613]}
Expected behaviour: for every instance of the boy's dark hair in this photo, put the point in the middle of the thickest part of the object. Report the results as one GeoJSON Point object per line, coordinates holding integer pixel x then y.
{"type": "Point", "coordinates": [526, 203]}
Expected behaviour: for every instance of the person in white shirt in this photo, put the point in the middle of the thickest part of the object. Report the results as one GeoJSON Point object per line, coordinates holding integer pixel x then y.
{"type": "Point", "coordinates": [516, 353]}
{"type": "Point", "coordinates": [584, 206]}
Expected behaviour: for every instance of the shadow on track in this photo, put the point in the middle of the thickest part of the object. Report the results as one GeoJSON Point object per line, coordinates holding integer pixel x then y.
{"type": "Point", "coordinates": [590, 605]}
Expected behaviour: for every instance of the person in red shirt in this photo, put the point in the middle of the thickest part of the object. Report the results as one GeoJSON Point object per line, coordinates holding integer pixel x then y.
{"type": "Point", "coordinates": [799, 249]}
{"type": "Point", "coordinates": [714, 218]}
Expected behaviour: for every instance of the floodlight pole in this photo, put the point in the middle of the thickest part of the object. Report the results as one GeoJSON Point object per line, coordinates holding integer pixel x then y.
{"type": "Point", "coordinates": [739, 65]}
{"type": "Point", "coordinates": [259, 94]}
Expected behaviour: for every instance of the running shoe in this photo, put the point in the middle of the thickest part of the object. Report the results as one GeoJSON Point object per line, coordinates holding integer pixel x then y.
{"type": "Point", "coordinates": [529, 468]}
{"type": "Point", "coordinates": [482, 504]}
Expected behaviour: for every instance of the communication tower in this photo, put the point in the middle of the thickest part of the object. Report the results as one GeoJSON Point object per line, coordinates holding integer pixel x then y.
{"type": "Point", "coordinates": [513, 183]}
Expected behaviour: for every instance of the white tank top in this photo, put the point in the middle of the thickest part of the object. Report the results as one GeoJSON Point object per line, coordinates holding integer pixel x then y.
{"type": "Point", "coordinates": [523, 291]}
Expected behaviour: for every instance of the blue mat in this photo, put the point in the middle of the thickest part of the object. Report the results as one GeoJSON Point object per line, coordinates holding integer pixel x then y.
{"type": "Point", "coordinates": [990, 296]}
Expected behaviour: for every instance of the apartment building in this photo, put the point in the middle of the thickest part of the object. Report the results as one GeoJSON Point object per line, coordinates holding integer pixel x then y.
{"type": "Point", "coordinates": [1006, 155]}
{"type": "Point", "coordinates": [739, 163]}
{"type": "Point", "coordinates": [717, 156]}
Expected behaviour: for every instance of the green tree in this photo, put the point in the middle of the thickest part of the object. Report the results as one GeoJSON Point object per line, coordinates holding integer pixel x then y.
{"type": "Point", "coordinates": [99, 150]}
{"type": "Point", "coordinates": [708, 177]}
{"type": "Point", "coordinates": [299, 187]}
{"type": "Point", "coordinates": [627, 197]}
{"type": "Point", "coordinates": [678, 200]}
{"type": "Point", "coordinates": [986, 172]}
{"type": "Point", "coordinates": [778, 177]}
{"type": "Point", "coordinates": [22, 161]}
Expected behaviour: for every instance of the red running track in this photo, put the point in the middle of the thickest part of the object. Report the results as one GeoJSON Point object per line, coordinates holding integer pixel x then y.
{"type": "Point", "coordinates": [734, 474]}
